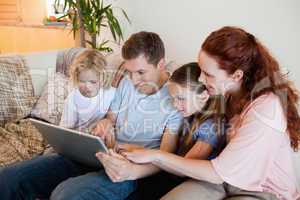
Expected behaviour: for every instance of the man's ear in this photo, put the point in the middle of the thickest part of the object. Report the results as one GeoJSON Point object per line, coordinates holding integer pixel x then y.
{"type": "Point", "coordinates": [237, 75]}
{"type": "Point", "coordinates": [161, 64]}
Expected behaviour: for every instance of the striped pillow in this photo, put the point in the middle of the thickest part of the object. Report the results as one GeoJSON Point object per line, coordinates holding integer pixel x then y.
{"type": "Point", "coordinates": [16, 89]}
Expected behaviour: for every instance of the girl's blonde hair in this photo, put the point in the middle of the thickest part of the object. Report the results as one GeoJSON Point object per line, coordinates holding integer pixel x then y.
{"type": "Point", "coordinates": [90, 59]}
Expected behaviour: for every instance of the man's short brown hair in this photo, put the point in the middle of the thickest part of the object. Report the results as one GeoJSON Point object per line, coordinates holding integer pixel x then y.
{"type": "Point", "coordinates": [144, 43]}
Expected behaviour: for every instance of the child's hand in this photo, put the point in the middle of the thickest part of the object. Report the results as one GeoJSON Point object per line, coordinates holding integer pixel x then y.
{"type": "Point", "coordinates": [105, 130]}
{"type": "Point", "coordinates": [141, 156]}
{"type": "Point", "coordinates": [127, 147]}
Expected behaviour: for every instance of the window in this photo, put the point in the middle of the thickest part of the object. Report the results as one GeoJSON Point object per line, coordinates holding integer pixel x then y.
{"type": "Point", "coordinates": [52, 11]}
{"type": "Point", "coordinates": [10, 11]}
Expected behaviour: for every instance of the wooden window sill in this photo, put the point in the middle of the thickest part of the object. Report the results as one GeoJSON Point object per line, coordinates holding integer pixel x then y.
{"type": "Point", "coordinates": [42, 26]}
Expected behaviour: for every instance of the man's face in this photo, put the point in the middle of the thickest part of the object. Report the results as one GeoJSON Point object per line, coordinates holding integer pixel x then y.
{"type": "Point", "coordinates": [144, 76]}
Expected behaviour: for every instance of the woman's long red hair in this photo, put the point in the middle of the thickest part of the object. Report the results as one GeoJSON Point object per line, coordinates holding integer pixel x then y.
{"type": "Point", "coordinates": [234, 48]}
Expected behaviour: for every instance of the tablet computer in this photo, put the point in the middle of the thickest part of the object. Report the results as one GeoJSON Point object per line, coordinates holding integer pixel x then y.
{"type": "Point", "coordinates": [77, 146]}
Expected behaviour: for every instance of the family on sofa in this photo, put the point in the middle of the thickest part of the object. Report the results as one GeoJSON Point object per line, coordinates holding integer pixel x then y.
{"type": "Point", "coordinates": [221, 128]}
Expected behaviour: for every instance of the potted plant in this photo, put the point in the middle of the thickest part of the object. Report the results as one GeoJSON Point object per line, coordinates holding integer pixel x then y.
{"type": "Point", "coordinates": [92, 16]}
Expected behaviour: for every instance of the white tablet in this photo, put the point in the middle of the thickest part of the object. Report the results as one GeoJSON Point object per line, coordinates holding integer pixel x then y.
{"type": "Point", "coordinates": [77, 146]}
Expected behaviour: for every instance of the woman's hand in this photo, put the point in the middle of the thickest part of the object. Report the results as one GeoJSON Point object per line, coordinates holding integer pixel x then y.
{"type": "Point", "coordinates": [141, 156]}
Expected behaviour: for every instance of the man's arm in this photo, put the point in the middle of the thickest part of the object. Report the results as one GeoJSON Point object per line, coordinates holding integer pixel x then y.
{"type": "Point", "coordinates": [105, 129]}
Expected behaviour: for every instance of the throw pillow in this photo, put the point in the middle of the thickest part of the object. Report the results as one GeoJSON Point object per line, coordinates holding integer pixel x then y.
{"type": "Point", "coordinates": [50, 105]}
{"type": "Point", "coordinates": [16, 89]}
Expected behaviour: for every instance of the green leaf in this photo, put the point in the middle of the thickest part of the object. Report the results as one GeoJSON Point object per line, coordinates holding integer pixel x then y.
{"type": "Point", "coordinates": [95, 15]}
{"type": "Point", "coordinates": [90, 43]}
{"type": "Point", "coordinates": [124, 14]}
{"type": "Point", "coordinates": [65, 15]}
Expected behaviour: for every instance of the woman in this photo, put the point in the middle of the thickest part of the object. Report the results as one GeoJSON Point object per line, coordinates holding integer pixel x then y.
{"type": "Point", "coordinates": [265, 125]}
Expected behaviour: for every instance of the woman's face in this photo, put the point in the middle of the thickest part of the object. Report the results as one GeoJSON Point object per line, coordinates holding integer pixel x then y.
{"type": "Point", "coordinates": [185, 100]}
{"type": "Point", "coordinates": [216, 80]}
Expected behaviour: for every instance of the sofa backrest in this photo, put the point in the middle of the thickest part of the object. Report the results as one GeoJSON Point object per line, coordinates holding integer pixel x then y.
{"type": "Point", "coordinates": [41, 65]}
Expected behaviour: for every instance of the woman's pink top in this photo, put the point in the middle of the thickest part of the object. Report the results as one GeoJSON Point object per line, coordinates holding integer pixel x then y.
{"type": "Point", "coordinates": [258, 156]}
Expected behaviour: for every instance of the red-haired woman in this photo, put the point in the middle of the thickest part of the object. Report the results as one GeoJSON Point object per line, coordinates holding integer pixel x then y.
{"type": "Point", "coordinates": [261, 107]}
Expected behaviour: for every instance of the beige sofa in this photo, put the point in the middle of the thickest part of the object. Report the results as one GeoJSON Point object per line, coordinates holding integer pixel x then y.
{"type": "Point", "coordinates": [41, 64]}
{"type": "Point", "coordinates": [34, 85]}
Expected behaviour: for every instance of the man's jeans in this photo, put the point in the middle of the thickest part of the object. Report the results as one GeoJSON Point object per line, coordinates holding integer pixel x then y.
{"type": "Point", "coordinates": [56, 177]}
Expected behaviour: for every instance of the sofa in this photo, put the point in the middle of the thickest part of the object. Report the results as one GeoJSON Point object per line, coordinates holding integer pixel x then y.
{"type": "Point", "coordinates": [34, 85]}
{"type": "Point", "coordinates": [19, 140]}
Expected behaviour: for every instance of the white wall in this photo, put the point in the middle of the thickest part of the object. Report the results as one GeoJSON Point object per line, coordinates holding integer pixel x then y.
{"type": "Point", "coordinates": [183, 25]}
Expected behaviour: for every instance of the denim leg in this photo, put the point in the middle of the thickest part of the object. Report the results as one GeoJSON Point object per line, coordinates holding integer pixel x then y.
{"type": "Point", "coordinates": [35, 178]}
{"type": "Point", "coordinates": [91, 186]}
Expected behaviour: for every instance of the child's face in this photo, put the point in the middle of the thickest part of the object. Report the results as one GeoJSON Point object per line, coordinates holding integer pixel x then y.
{"type": "Point", "coordinates": [185, 100]}
{"type": "Point", "coordinates": [89, 83]}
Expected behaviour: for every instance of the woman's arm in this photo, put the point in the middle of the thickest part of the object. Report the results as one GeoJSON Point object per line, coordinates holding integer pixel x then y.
{"type": "Point", "coordinates": [200, 150]}
{"type": "Point", "coordinates": [168, 144]}
{"type": "Point", "coordinates": [197, 169]}
{"type": "Point", "coordinates": [120, 169]}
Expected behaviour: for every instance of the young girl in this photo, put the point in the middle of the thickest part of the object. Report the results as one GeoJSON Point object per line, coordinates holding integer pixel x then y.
{"type": "Point", "coordinates": [202, 134]}
{"type": "Point", "coordinates": [92, 93]}
{"type": "Point", "coordinates": [265, 126]}
{"type": "Point", "coordinates": [203, 126]}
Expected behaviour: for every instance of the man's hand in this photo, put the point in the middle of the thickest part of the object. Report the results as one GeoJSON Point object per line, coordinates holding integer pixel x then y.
{"type": "Point", "coordinates": [105, 130]}
{"type": "Point", "coordinates": [116, 166]}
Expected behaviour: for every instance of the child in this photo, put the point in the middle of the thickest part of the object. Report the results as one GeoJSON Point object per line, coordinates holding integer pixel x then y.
{"type": "Point", "coordinates": [202, 132]}
{"type": "Point", "coordinates": [203, 126]}
{"type": "Point", "coordinates": [92, 93]}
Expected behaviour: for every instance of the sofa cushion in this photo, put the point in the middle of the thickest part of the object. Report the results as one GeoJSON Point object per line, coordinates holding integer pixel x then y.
{"type": "Point", "coordinates": [50, 105]}
{"type": "Point", "coordinates": [16, 89]}
{"type": "Point", "coordinates": [65, 58]}
{"type": "Point", "coordinates": [19, 141]}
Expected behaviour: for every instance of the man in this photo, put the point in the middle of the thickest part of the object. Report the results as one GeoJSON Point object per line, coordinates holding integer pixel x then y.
{"type": "Point", "coordinates": [141, 115]}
